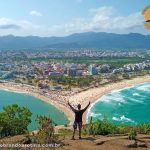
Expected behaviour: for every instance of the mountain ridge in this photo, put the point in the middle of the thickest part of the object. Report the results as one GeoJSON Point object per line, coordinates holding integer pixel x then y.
{"type": "Point", "coordinates": [101, 40]}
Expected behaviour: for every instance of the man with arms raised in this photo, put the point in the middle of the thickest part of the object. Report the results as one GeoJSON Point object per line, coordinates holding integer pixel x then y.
{"type": "Point", "coordinates": [78, 118]}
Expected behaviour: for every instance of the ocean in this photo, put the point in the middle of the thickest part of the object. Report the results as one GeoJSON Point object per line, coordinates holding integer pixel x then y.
{"type": "Point", "coordinates": [126, 106]}
{"type": "Point", "coordinates": [36, 106]}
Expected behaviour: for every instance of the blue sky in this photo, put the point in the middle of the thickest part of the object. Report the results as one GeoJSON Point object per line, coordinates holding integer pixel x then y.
{"type": "Point", "coordinates": [64, 17]}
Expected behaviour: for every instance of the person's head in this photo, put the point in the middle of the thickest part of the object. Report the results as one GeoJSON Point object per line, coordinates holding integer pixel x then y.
{"type": "Point", "coordinates": [79, 106]}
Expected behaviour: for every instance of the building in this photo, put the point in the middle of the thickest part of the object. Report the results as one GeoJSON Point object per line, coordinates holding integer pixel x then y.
{"type": "Point", "coordinates": [72, 72]}
{"type": "Point", "coordinates": [55, 74]}
{"type": "Point", "coordinates": [55, 88]}
{"type": "Point", "coordinates": [92, 70]}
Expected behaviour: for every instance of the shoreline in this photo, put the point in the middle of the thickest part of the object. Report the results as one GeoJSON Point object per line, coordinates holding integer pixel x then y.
{"type": "Point", "coordinates": [95, 94]}
{"type": "Point", "coordinates": [83, 97]}
{"type": "Point", "coordinates": [21, 90]}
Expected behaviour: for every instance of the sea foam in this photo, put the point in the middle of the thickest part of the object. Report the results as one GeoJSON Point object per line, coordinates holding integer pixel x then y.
{"type": "Point", "coordinates": [145, 88]}
{"type": "Point", "coordinates": [122, 118]}
{"type": "Point", "coordinates": [136, 94]}
{"type": "Point", "coordinates": [95, 114]}
{"type": "Point", "coordinates": [21, 92]}
{"type": "Point", "coordinates": [116, 96]}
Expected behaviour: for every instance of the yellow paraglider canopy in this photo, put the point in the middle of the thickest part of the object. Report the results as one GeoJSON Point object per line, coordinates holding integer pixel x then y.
{"type": "Point", "coordinates": [146, 12]}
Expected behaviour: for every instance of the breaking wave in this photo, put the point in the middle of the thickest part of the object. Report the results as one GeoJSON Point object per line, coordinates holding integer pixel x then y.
{"type": "Point", "coordinates": [136, 94]}
{"type": "Point", "coordinates": [145, 88]}
{"type": "Point", "coordinates": [130, 104]}
{"type": "Point", "coordinates": [95, 115]}
{"type": "Point", "coordinates": [122, 118]}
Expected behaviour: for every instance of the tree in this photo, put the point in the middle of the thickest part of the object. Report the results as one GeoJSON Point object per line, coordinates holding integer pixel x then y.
{"type": "Point", "coordinates": [14, 120]}
{"type": "Point", "coordinates": [126, 76]}
{"type": "Point", "coordinates": [114, 78]}
{"type": "Point", "coordinates": [97, 80]}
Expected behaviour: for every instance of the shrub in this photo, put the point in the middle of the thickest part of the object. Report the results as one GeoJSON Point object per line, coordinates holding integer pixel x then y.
{"type": "Point", "coordinates": [144, 128]}
{"type": "Point", "coordinates": [102, 128]}
{"type": "Point", "coordinates": [123, 129]}
{"type": "Point", "coordinates": [45, 134]}
{"type": "Point", "coordinates": [132, 134]}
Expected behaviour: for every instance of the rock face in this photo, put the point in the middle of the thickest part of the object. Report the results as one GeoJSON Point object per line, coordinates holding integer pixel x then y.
{"type": "Point", "coordinates": [141, 144]}
{"type": "Point", "coordinates": [99, 142]}
{"type": "Point", "coordinates": [26, 141]}
{"type": "Point", "coordinates": [135, 144]}
{"type": "Point", "coordinates": [131, 144]}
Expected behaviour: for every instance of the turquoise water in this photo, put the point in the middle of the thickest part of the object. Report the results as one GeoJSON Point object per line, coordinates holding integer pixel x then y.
{"type": "Point", "coordinates": [1, 73]}
{"type": "Point", "coordinates": [36, 106]}
{"type": "Point", "coordinates": [127, 106]}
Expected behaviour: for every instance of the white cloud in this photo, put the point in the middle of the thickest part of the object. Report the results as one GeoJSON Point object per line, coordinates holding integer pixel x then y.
{"type": "Point", "coordinates": [103, 19]}
{"type": "Point", "coordinates": [36, 13]}
{"type": "Point", "coordinates": [19, 27]}
{"type": "Point", "coordinates": [16, 24]}
{"type": "Point", "coordinates": [105, 10]}
{"type": "Point", "coordinates": [10, 26]}
{"type": "Point", "coordinates": [6, 23]}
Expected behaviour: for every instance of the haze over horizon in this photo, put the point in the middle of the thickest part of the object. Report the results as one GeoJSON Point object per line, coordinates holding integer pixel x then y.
{"type": "Point", "coordinates": [65, 17]}
{"type": "Point", "coordinates": [72, 34]}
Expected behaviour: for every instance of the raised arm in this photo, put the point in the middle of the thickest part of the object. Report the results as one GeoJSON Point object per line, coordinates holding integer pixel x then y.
{"type": "Point", "coordinates": [71, 107]}
{"type": "Point", "coordinates": [87, 106]}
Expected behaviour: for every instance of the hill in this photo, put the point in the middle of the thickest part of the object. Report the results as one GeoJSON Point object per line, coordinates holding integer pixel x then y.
{"type": "Point", "coordinates": [110, 142]}
{"type": "Point", "coordinates": [95, 40]}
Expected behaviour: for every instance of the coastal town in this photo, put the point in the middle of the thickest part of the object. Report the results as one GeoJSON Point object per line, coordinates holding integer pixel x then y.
{"type": "Point", "coordinates": [42, 69]}
{"type": "Point", "coordinates": [75, 75]}
{"type": "Point", "coordinates": [58, 80]}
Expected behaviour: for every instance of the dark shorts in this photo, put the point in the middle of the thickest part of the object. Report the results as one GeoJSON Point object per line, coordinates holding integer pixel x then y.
{"type": "Point", "coordinates": [77, 124]}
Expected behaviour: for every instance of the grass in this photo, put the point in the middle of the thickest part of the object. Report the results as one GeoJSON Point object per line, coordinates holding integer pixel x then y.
{"type": "Point", "coordinates": [116, 62]}
{"type": "Point", "coordinates": [63, 133]}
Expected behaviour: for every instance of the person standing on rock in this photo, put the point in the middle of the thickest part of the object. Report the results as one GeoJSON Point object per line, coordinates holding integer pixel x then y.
{"type": "Point", "coordinates": [78, 118]}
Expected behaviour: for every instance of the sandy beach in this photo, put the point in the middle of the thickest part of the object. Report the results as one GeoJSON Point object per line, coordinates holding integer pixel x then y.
{"type": "Point", "coordinates": [82, 97]}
